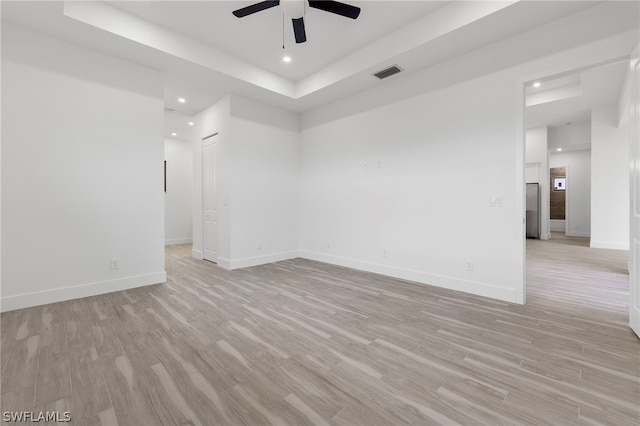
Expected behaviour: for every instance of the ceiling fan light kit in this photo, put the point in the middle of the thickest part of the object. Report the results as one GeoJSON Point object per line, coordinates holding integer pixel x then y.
{"type": "Point", "coordinates": [295, 9]}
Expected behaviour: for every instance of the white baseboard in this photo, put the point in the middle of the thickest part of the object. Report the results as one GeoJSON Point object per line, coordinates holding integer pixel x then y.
{"type": "Point", "coordinates": [466, 286]}
{"type": "Point", "coordinates": [224, 263]}
{"type": "Point", "coordinates": [230, 264]}
{"type": "Point", "coordinates": [609, 245]}
{"type": "Point", "coordinates": [26, 300]}
{"type": "Point", "coordinates": [261, 260]}
{"type": "Point", "coordinates": [173, 241]}
{"type": "Point", "coordinates": [578, 234]}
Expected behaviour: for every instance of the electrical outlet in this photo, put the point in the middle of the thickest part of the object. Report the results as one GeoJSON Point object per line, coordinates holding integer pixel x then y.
{"type": "Point", "coordinates": [328, 245]}
{"type": "Point", "coordinates": [469, 266]}
{"type": "Point", "coordinates": [384, 252]}
{"type": "Point", "coordinates": [115, 263]}
{"type": "Point", "coordinates": [259, 245]}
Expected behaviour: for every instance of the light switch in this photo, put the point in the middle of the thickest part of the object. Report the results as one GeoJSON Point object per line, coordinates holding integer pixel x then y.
{"type": "Point", "coordinates": [495, 201]}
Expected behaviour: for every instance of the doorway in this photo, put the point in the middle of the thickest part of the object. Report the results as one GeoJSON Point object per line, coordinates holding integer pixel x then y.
{"type": "Point", "coordinates": [561, 113]}
{"type": "Point", "coordinates": [210, 197]}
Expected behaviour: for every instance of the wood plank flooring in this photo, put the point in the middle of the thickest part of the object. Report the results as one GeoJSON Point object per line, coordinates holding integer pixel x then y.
{"type": "Point", "coordinates": [300, 342]}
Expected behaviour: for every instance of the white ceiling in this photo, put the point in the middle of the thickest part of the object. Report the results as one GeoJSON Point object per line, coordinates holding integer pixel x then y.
{"type": "Point", "coordinates": [206, 53]}
{"type": "Point", "coordinates": [598, 86]}
{"type": "Point", "coordinates": [257, 38]}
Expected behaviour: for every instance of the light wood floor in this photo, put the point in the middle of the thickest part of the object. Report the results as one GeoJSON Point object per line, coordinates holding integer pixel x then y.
{"type": "Point", "coordinates": [299, 342]}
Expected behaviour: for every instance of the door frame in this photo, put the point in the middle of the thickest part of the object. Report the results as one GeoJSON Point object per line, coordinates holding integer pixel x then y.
{"type": "Point", "coordinates": [520, 154]}
{"type": "Point", "coordinates": [633, 109]}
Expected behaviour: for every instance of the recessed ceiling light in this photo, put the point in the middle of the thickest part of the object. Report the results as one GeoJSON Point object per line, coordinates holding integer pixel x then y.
{"type": "Point", "coordinates": [174, 134]}
{"type": "Point", "coordinates": [559, 149]}
{"type": "Point", "coordinates": [286, 58]}
{"type": "Point", "coordinates": [191, 123]}
{"type": "Point", "coordinates": [536, 84]}
{"type": "Point", "coordinates": [182, 100]}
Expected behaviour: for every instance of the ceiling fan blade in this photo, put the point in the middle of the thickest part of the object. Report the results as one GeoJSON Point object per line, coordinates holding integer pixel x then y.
{"type": "Point", "coordinates": [241, 13]}
{"type": "Point", "coordinates": [298, 30]}
{"type": "Point", "coordinates": [336, 7]}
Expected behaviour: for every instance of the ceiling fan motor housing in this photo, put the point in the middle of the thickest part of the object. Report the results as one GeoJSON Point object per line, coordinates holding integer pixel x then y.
{"type": "Point", "coordinates": [293, 8]}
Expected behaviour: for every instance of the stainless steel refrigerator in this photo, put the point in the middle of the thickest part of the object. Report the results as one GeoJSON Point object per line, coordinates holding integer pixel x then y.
{"type": "Point", "coordinates": [533, 210]}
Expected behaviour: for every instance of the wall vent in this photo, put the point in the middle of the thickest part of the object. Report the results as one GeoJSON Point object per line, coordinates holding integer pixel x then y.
{"type": "Point", "coordinates": [388, 72]}
{"type": "Point", "coordinates": [169, 110]}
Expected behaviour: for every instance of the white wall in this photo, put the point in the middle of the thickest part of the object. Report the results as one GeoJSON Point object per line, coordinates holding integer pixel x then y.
{"type": "Point", "coordinates": [178, 213]}
{"type": "Point", "coordinates": [261, 157]}
{"type": "Point", "coordinates": [558, 225]}
{"type": "Point", "coordinates": [578, 193]}
{"type": "Point", "coordinates": [81, 172]}
{"type": "Point", "coordinates": [610, 179]}
{"type": "Point", "coordinates": [404, 190]}
{"type": "Point", "coordinates": [265, 192]}
{"type": "Point", "coordinates": [537, 156]}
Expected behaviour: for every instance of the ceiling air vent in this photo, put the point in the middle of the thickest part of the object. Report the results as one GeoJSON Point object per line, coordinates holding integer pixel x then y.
{"type": "Point", "coordinates": [388, 72]}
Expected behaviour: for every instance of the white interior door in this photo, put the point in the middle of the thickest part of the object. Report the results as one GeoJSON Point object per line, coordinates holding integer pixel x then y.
{"type": "Point", "coordinates": [634, 142]}
{"type": "Point", "coordinates": [210, 197]}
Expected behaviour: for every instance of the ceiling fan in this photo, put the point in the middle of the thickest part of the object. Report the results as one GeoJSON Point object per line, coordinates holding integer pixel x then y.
{"type": "Point", "coordinates": [295, 10]}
